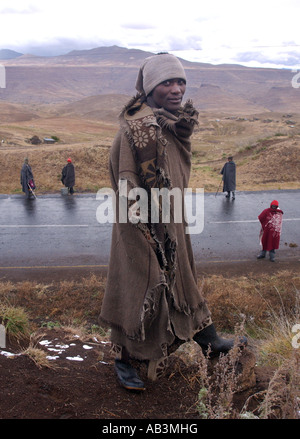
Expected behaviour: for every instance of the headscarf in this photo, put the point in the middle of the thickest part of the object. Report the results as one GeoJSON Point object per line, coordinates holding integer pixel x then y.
{"type": "Point", "coordinates": [156, 69]}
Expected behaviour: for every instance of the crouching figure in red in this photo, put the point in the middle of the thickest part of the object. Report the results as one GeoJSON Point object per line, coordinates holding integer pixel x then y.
{"type": "Point", "coordinates": [271, 225]}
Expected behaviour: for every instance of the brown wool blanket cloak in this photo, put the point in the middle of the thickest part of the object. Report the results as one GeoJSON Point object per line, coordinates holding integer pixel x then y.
{"type": "Point", "coordinates": [152, 299]}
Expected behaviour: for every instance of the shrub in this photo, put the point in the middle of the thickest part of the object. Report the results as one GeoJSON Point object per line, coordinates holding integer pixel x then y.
{"type": "Point", "coordinates": [15, 320]}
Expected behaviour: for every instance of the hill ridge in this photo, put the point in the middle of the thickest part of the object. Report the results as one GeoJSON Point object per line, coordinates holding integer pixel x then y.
{"type": "Point", "coordinates": [36, 80]}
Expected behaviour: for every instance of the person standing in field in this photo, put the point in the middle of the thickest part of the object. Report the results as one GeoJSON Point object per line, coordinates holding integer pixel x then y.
{"type": "Point", "coordinates": [152, 301]}
{"type": "Point", "coordinates": [68, 176]}
{"type": "Point", "coordinates": [271, 225]}
{"type": "Point", "coordinates": [229, 177]}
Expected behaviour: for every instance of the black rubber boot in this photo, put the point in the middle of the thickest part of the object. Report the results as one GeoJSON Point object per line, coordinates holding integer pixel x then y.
{"type": "Point", "coordinates": [208, 337]}
{"type": "Point", "coordinates": [262, 254]}
{"type": "Point", "coordinates": [128, 376]}
{"type": "Point", "coordinates": [272, 255]}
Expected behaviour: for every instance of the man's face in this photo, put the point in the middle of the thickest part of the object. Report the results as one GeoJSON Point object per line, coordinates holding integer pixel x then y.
{"type": "Point", "coordinates": [169, 94]}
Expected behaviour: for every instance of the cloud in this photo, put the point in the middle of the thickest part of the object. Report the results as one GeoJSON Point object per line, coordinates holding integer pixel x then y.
{"type": "Point", "coordinates": [214, 32]}
{"type": "Point", "coordinates": [250, 56]}
{"type": "Point", "coordinates": [270, 56]}
{"type": "Point", "coordinates": [30, 9]}
{"type": "Point", "coordinates": [137, 26]}
{"type": "Point", "coordinates": [184, 41]}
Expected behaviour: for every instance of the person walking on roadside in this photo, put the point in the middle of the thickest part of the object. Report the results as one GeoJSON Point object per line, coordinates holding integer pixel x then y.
{"type": "Point", "coordinates": [271, 225]}
{"type": "Point", "coordinates": [229, 177]}
{"type": "Point", "coordinates": [27, 180]}
{"type": "Point", "coordinates": [152, 301]}
{"type": "Point", "coordinates": [68, 176]}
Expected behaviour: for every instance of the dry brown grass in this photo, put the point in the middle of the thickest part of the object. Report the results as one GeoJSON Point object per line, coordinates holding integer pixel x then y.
{"type": "Point", "coordinates": [268, 305]}
{"type": "Point", "coordinates": [266, 154]}
{"type": "Point", "coordinates": [90, 161]}
{"type": "Point", "coordinates": [256, 298]}
{"type": "Point", "coordinates": [39, 357]}
{"type": "Point", "coordinates": [15, 321]}
{"type": "Point", "coordinates": [86, 142]}
{"type": "Point", "coordinates": [282, 398]}
{"type": "Point", "coordinates": [65, 302]}
{"type": "Point", "coordinates": [218, 386]}
{"type": "Point", "coordinates": [262, 302]}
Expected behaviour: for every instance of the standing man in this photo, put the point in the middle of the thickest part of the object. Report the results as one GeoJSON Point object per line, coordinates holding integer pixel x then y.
{"type": "Point", "coordinates": [68, 176]}
{"type": "Point", "coordinates": [152, 301]}
{"type": "Point", "coordinates": [229, 177]}
{"type": "Point", "coordinates": [271, 225]}
{"type": "Point", "coordinates": [26, 179]}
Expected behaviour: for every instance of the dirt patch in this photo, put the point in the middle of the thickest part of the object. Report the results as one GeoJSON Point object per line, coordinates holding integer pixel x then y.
{"type": "Point", "coordinates": [80, 383]}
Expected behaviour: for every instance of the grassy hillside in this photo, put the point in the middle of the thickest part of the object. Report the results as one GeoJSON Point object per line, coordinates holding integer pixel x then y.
{"type": "Point", "coordinates": [265, 146]}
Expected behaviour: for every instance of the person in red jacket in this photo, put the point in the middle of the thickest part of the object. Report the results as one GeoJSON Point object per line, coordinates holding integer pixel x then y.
{"type": "Point", "coordinates": [271, 224]}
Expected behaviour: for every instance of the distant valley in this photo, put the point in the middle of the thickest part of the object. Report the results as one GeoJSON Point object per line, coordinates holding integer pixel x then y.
{"type": "Point", "coordinates": [61, 81]}
{"type": "Point", "coordinates": [252, 113]}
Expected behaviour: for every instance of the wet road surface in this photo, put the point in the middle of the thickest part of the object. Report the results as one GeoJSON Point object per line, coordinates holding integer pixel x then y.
{"type": "Point", "coordinates": [63, 231]}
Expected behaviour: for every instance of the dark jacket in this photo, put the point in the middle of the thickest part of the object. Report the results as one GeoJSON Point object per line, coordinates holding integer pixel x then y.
{"type": "Point", "coordinates": [26, 175]}
{"type": "Point", "coordinates": [228, 173]}
{"type": "Point", "coordinates": [68, 175]}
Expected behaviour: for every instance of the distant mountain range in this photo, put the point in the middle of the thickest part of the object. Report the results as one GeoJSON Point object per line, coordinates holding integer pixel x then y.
{"type": "Point", "coordinates": [9, 54]}
{"type": "Point", "coordinates": [65, 79]}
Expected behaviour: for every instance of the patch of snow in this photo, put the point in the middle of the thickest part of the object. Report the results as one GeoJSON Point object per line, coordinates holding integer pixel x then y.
{"type": "Point", "coordinates": [77, 358]}
{"type": "Point", "coordinates": [62, 346]}
{"type": "Point", "coordinates": [7, 354]}
{"type": "Point", "coordinates": [45, 342]}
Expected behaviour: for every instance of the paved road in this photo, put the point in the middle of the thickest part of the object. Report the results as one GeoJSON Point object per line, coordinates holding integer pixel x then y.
{"type": "Point", "coordinates": [56, 230]}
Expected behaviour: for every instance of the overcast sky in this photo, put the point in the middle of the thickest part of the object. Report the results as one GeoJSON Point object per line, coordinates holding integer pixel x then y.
{"type": "Point", "coordinates": [263, 33]}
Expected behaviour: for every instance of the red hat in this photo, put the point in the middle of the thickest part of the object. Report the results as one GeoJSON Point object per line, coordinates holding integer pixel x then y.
{"type": "Point", "coordinates": [69, 160]}
{"type": "Point", "coordinates": [275, 203]}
